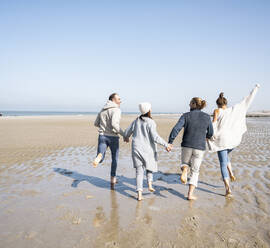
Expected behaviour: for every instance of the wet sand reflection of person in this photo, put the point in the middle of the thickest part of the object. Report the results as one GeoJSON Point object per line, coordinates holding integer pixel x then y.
{"type": "Point", "coordinates": [109, 227]}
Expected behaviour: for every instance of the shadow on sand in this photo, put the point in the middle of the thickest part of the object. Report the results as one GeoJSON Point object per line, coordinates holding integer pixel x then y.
{"type": "Point", "coordinates": [124, 185]}
{"type": "Point", "coordinates": [174, 178]}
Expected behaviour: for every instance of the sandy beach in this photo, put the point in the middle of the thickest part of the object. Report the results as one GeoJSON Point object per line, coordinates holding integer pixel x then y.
{"type": "Point", "coordinates": [51, 196]}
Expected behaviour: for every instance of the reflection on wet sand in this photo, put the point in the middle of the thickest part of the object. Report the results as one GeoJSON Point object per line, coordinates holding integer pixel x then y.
{"type": "Point", "coordinates": [108, 226]}
{"type": "Point", "coordinates": [53, 197]}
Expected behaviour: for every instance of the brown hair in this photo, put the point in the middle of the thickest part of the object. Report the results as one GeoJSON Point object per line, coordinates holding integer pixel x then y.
{"type": "Point", "coordinates": [112, 96]}
{"type": "Point", "coordinates": [221, 101]}
{"type": "Point", "coordinates": [200, 104]}
{"type": "Point", "coordinates": [148, 114]}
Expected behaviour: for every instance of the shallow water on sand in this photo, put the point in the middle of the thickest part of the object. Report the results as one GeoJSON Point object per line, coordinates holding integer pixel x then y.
{"type": "Point", "coordinates": [60, 200]}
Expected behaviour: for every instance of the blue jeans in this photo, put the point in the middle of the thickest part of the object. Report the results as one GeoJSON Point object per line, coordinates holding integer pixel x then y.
{"type": "Point", "coordinates": [104, 142]}
{"type": "Point", "coordinates": [223, 157]}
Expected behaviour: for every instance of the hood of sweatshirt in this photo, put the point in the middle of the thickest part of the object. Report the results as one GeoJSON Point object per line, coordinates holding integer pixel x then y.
{"type": "Point", "coordinates": [110, 104]}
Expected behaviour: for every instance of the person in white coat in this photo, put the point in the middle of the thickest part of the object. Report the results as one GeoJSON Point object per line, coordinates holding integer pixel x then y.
{"type": "Point", "coordinates": [229, 126]}
{"type": "Point", "coordinates": [144, 146]}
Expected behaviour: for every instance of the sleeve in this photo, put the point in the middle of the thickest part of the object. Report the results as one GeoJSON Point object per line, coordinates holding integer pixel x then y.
{"type": "Point", "coordinates": [97, 121]}
{"type": "Point", "coordinates": [116, 116]}
{"type": "Point", "coordinates": [155, 136]}
{"type": "Point", "coordinates": [210, 130]}
{"type": "Point", "coordinates": [246, 102]}
{"type": "Point", "coordinates": [129, 131]}
{"type": "Point", "coordinates": [177, 128]}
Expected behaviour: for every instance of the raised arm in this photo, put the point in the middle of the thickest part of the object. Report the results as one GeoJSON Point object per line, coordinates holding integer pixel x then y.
{"type": "Point", "coordinates": [177, 128]}
{"type": "Point", "coordinates": [246, 102]}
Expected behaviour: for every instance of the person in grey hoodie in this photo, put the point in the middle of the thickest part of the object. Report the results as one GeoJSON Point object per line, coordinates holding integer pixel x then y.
{"type": "Point", "coordinates": [108, 122]}
{"type": "Point", "coordinates": [144, 148]}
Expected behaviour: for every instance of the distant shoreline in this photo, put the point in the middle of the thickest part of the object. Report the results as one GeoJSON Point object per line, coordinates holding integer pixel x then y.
{"type": "Point", "coordinates": [67, 113]}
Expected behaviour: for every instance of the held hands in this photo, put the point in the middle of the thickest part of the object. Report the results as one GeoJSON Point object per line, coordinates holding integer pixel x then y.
{"type": "Point", "coordinates": [169, 147]}
{"type": "Point", "coordinates": [126, 139]}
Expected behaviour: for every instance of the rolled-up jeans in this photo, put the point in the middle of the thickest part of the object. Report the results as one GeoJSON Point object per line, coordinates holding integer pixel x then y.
{"type": "Point", "coordinates": [105, 141]}
{"type": "Point", "coordinates": [223, 157]}
{"type": "Point", "coordinates": [192, 158]}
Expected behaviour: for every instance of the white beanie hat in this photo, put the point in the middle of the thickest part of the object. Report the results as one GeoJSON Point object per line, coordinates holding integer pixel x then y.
{"type": "Point", "coordinates": [145, 107]}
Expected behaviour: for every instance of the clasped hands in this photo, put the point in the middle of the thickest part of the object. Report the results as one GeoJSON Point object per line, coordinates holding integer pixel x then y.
{"type": "Point", "coordinates": [169, 147]}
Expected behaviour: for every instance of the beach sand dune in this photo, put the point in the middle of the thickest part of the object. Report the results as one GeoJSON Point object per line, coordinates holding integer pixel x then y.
{"type": "Point", "coordinates": [51, 196]}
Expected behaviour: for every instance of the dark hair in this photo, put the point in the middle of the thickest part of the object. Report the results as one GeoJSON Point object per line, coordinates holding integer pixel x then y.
{"type": "Point", "coordinates": [221, 101]}
{"type": "Point", "coordinates": [148, 114]}
{"type": "Point", "coordinates": [200, 104]}
{"type": "Point", "coordinates": [112, 96]}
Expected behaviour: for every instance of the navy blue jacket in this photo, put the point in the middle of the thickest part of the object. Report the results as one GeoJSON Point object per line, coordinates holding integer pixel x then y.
{"type": "Point", "coordinates": [197, 127]}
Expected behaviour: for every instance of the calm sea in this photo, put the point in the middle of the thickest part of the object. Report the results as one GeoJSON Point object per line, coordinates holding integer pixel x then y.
{"type": "Point", "coordinates": [40, 113]}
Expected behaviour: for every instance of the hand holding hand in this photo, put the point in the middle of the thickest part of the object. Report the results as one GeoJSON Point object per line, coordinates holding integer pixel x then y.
{"type": "Point", "coordinates": [126, 139]}
{"type": "Point", "coordinates": [169, 147]}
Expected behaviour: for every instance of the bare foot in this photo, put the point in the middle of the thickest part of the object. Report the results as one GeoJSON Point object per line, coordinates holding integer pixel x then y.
{"type": "Point", "coordinates": [233, 178]}
{"type": "Point", "coordinates": [97, 160]}
{"type": "Point", "coordinates": [140, 196]}
{"type": "Point", "coordinates": [184, 175]}
{"type": "Point", "coordinates": [228, 194]}
{"type": "Point", "coordinates": [192, 197]}
{"type": "Point", "coordinates": [150, 187]}
{"type": "Point", "coordinates": [114, 180]}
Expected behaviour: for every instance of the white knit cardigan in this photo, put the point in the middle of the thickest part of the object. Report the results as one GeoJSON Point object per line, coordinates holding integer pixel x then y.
{"type": "Point", "coordinates": [230, 127]}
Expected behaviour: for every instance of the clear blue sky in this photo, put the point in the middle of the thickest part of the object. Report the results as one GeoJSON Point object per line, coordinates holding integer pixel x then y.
{"type": "Point", "coordinates": [70, 55]}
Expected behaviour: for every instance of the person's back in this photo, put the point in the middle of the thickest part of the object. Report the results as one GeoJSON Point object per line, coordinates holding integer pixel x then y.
{"type": "Point", "coordinates": [141, 134]}
{"type": "Point", "coordinates": [108, 119]}
{"type": "Point", "coordinates": [144, 152]}
{"type": "Point", "coordinates": [195, 129]}
{"type": "Point", "coordinates": [230, 124]}
{"type": "Point", "coordinates": [229, 127]}
{"type": "Point", "coordinates": [108, 122]}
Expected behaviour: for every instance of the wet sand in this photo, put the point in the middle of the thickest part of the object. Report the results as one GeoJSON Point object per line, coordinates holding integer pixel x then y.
{"type": "Point", "coordinates": [51, 196]}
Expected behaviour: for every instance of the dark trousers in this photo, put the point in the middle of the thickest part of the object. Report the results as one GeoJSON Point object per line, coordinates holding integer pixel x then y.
{"type": "Point", "coordinates": [112, 142]}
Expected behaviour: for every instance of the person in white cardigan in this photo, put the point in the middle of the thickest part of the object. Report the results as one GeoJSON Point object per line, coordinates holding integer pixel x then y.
{"type": "Point", "coordinates": [144, 146]}
{"type": "Point", "coordinates": [229, 126]}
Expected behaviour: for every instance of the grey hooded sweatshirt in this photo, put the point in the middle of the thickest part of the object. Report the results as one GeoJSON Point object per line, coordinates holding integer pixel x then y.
{"type": "Point", "coordinates": [108, 120]}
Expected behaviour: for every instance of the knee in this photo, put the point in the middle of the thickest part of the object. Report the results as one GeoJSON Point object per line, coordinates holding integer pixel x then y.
{"type": "Point", "coordinates": [223, 164]}
{"type": "Point", "coordinates": [195, 170]}
{"type": "Point", "coordinates": [139, 170]}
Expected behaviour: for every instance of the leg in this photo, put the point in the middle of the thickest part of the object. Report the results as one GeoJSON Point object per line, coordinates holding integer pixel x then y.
{"type": "Point", "coordinates": [149, 175]}
{"type": "Point", "coordinates": [186, 159]}
{"type": "Point", "coordinates": [102, 147]}
{"type": "Point", "coordinates": [190, 193]}
{"type": "Point", "coordinates": [223, 160]}
{"type": "Point", "coordinates": [229, 167]}
{"type": "Point", "coordinates": [114, 146]}
{"type": "Point", "coordinates": [139, 180]}
{"type": "Point", "coordinates": [196, 161]}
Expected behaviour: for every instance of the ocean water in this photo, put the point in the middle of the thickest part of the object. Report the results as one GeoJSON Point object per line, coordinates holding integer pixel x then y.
{"type": "Point", "coordinates": [43, 113]}
{"type": "Point", "coordinates": [40, 113]}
